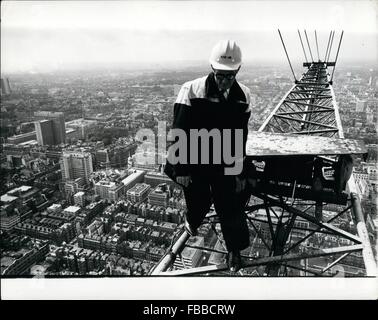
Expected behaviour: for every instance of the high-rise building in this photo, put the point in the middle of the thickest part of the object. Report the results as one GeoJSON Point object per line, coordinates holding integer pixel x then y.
{"type": "Point", "coordinates": [79, 198]}
{"type": "Point", "coordinates": [20, 138]}
{"type": "Point", "coordinates": [160, 196]}
{"type": "Point", "coordinates": [138, 193]}
{"type": "Point", "coordinates": [5, 86]}
{"type": "Point", "coordinates": [109, 190]}
{"type": "Point", "coordinates": [84, 127]}
{"type": "Point", "coordinates": [134, 177]}
{"type": "Point", "coordinates": [58, 124]}
{"type": "Point", "coordinates": [76, 164]}
{"type": "Point", "coordinates": [45, 133]}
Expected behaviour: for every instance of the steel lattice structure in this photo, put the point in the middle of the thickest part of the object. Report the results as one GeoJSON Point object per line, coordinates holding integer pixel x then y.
{"type": "Point", "coordinates": [308, 108]}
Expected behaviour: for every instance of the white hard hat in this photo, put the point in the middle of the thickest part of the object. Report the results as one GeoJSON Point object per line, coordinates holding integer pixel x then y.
{"type": "Point", "coordinates": [226, 55]}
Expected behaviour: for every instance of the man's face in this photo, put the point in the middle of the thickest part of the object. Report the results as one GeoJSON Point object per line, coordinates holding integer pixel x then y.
{"type": "Point", "coordinates": [224, 78]}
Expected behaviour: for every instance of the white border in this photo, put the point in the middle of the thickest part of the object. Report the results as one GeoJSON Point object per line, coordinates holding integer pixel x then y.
{"type": "Point", "coordinates": [198, 288]}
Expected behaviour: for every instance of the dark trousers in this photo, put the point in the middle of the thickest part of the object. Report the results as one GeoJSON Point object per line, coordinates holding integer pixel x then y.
{"type": "Point", "coordinates": [229, 206]}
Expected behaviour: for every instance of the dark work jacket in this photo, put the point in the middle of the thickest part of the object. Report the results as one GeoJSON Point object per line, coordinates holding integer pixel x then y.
{"type": "Point", "coordinates": [200, 105]}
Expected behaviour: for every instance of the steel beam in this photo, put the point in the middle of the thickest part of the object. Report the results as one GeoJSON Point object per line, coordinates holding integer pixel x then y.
{"type": "Point", "coordinates": [268, 260]}
{"type": "Point", "coordinates": [170, 257]}
{"type": "Point", "coordinates": [316, 131]}
{"type": "Point", "coordinates": [335, 262]}
{"type": "Point", "coordinates": [367, 253]}
{"type": "Point", "coordinates": [304, 121]}
{"type": "Point", "coordinates": [312, 219]}
{"type": "Point", "coordinates": [310, 105]}
{"type": "Point", "coordinates": [275, 110]}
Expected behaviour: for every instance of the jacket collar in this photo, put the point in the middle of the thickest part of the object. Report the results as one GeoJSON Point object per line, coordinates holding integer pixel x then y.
{"type": "Point", "coordinates": [212, 91]}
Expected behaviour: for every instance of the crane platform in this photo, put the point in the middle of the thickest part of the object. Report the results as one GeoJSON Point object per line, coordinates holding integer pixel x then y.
{"type": "Point", "coordinates": [269, 144]}
{"type": "Point", "coordinates": [301, 166]}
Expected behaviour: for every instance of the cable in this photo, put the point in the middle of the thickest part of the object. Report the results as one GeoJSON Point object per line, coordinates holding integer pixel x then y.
{"type": "Point", "coordinates": [317, 48]}
{"type": "Point", "coordinates": [337, 54]}
{"type": "Point", "coordinates": [300, 38]}
{"type": "Point", "coordinates": [288, 59]}
{"type": "Point", "coordinates": [329, 38]}
{"type": "Point", "coordinates": [309, 48]}
{"type": "Point", "coordinates": [330, 48]}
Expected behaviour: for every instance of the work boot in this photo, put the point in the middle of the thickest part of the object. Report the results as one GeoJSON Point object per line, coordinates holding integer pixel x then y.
{"type": "Point", "coordinates": [234, 261]}
{"type": "Point", "coordinates": [189, 229]}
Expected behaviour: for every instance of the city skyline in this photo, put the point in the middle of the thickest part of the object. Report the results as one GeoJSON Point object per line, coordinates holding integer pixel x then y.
{"type": "Point", "coordinates": [106, 229]}
{"type": "Point", "coordinates": [83, 35]}
{"type": "Point", "coordinates": [85, 196]}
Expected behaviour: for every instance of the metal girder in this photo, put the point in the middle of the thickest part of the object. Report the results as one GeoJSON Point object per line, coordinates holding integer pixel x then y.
{"type": "Point", "coordinates": [318, 97]}
{"type": "Point", "coordinates": [309, 90]}
{"type": "Point", "coordinates": [367, 252]}
{"type": "Point", "coordinates": [303, 112]}
{"type": "Point", "coordinates": [335, 262]}
{"type": "Point", "coordinates": [317, 131]}
{"type": "Point", "coordinates": [258, 232]}
{"type": "Point", "coordinates": [304, 100]}
{"type": "Point", "coordinates": [294, 228]}
{"type": "Point", "coordinates": [312, 219]}
{"type": "Point", "coordinates": [308, 64]}
{"type": "Point", "coordinates": [312, 103]}
{"type": "Point", "coordinates": [311, 84]}
{"type": "Point", "coordinates": [304, 121]}
{"type": "Point", "coordinates": [267, 260]}
{"type": "Point", "coordinates": [170, 257]}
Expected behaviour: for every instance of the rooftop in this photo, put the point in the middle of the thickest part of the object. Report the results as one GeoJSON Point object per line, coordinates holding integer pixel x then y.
{"type": "Point", "coordinates": [54, 206]}
{"type": "Point", "coordinates": [132, 177]}
{"type": "Point", "coordinates": [23, 135]}
{"type": "Point", "coordinates": [70, 130]}
{"type": "Point", "coordinates": [80, 122]}
{"type": "Point", "coordinates": [22, 189]}
{"type": "Point", "coordinates": [6, 198]}
{"type": "Point", "coordinates": [28, 143]}
{"type": "Point", "coordinates": [72, 209]}
{"type": "Point", "coordinates": [105, 183]}
{"type": "Point", "coordinates": [138, 188]}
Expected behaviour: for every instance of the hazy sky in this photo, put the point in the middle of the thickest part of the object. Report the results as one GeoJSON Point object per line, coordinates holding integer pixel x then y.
{"type": "Point", "coordinates": [51, 35]}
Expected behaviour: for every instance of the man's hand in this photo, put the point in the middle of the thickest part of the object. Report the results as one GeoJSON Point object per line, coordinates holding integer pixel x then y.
{"type": "Point", "coordinates": [240, 184]}
{"type": "Point", "coordinates": [183, 180]}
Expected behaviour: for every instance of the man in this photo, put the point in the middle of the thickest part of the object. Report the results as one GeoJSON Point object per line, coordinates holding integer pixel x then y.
{"type": "Point", "coordinates": [215, 102]}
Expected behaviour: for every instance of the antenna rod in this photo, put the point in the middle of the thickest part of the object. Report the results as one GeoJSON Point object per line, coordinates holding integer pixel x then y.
{"type": "Point", "coordinates": [330, 48]}
{"type": "Point", "coordinates": [337, 54]}
{"type": "Point", "coordinates": [329, 38]}
{"type": "Point", "coordinates": [309, 46]}
{"type": "Point", "coordinates": [300, 38]}
{"type": "Point", "coordinates": [317, 48]}
{"type": "Point", "coordinates": [330, 45]}
{"type": "Point", "coordinates": [288, 59]}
